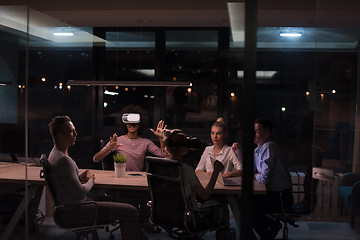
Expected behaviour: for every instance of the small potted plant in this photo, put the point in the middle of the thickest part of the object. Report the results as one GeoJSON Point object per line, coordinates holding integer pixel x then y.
{"type": "Point", "coordinates": [119, 165]}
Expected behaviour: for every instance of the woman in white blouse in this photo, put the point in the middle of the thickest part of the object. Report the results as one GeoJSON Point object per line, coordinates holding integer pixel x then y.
{"type": "Point", "coordinates": [221, 152]}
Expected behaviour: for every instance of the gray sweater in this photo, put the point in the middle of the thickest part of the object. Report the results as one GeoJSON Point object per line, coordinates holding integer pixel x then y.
{"type": "Point", "coordinates": [64, 175]}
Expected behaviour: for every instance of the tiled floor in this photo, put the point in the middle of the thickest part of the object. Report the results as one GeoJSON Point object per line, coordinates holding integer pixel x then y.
{"type": "Point", "coordinates": [305, 231]}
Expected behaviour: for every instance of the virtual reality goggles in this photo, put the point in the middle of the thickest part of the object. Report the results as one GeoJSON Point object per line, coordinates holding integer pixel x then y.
{"type": "Point", "coordinates": [131, 118]}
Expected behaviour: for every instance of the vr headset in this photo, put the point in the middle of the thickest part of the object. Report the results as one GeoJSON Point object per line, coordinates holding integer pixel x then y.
{"type": "Point", "coordinates": [131, 118]}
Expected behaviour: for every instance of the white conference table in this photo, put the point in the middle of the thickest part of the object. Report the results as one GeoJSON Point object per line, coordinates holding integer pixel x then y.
{"type": "Point", "coordinates": [14, 173]}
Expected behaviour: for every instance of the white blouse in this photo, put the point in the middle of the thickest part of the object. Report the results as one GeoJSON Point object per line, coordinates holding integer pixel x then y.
{"type": "Point", "coordinates": [226, 156]}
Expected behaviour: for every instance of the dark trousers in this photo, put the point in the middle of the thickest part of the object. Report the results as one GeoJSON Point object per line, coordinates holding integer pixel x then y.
{"type": "Point", "coordinates": [265, 226]}
{"type": "Point", "coordinates": [101, 213]}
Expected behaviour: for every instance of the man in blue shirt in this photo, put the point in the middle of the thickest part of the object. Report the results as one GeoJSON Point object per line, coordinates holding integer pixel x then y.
{"type": "Point", "coordinates": [272, 171]}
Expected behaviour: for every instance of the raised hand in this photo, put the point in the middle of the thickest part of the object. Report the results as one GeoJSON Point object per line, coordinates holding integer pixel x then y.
{"type": "Point", "coordinates": [112, 143]}
{"type": "Point", "coordinates": [160, 127]}
{"type": "Point", "coordinates": [236, 146]}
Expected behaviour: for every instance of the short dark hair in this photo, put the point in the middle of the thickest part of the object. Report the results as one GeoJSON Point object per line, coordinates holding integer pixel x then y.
{"type": "Point", "coordinates": [265, 122]}
{"type": "Point", "coordinates": [57, 124]}
{"type": "Point", "coordinates": [144, 119]}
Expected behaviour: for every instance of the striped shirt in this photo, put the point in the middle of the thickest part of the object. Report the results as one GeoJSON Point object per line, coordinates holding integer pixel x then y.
{"type": "Point", "coordinates": [135, 150]}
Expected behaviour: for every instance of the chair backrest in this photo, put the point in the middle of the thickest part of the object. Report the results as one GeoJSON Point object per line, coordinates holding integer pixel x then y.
{"type": "Point", "coordinates": [309, 203]}
{"type": "Point", "coordinates": [107, 163]}
{"type": "Point", "coordinates": [326, 178]}
{"type": "Point", "coordinates": [169, 205]}
{"type": "Point", "coordinates": [45, 173]}
{"type": "Point", "coordinates": [349, 179]}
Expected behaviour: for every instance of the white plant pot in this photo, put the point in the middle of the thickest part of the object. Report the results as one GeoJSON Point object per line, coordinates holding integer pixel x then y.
{"type": "Point", "coordinates": [119, 169]}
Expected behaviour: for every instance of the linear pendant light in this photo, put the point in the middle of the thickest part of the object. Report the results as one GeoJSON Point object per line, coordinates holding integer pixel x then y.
{"type": "Point", "coordinates": [128, 83]}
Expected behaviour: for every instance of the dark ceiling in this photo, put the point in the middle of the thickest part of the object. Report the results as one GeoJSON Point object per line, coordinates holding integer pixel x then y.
{"type": "Point", "coordinates": [272, 13]}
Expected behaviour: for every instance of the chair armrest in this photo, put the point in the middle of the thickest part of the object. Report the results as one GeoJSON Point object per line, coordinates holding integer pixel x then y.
{"type": "Point", "coordinates": [356, 185]}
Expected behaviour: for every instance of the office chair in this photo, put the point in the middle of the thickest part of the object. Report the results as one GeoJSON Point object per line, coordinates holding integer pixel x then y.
{"type": "Point", "coordinates": [305, 207]}
{"type": "Point", "coordinates": [71, 216]}
{"type": "Point", "coordinates": [309, 204]}
{"type": "Point", "coordinates": [169, 208]}
{"type": "Point", "coordinates": [349, 195]}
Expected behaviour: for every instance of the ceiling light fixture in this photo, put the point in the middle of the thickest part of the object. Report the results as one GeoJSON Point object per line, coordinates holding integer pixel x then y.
{"type": "Point", "coordinates": [106, 92]}
{"type": "Point", "coordinates": [259, 74]}
{"type": "Point", "coordinates": [64, 34]}
{"type": "Point", "coordinates": [129, 83]}
{"type": "Point", "coordinates": [4, 83]}
{"type": "Point", "coordinates": [290, 34]}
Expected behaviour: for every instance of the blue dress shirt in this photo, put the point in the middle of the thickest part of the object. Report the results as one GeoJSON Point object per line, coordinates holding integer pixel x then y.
{"type": "Point", "coordinates": [271, 168]}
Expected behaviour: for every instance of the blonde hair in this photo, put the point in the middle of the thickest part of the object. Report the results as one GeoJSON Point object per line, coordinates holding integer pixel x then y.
{"type": "Point", "coordinates": [220, 123]}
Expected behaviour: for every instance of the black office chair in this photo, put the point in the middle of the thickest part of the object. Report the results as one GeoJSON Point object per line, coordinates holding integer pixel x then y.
{"type": "Point", "coordinates": [309, 202]}
{"type": "Point", "coordinates": [307, 206]}
{"type": "Point", "coordinates": [71, 216]}
{"type": "Point", "coordinates": [169, 208]}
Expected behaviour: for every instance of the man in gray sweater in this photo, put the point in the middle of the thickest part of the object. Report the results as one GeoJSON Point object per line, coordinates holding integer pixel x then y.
{"type": "Point", "coordinates": [71, 187]}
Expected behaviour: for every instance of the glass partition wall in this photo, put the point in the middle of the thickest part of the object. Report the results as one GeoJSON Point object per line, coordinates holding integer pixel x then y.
{"type": "Point", "coordinates": [305, 83]}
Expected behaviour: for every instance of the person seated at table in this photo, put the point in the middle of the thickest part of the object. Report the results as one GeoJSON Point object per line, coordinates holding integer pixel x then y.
{"type": "Point", "coordinates": [271, 170]}
{"type": "Point", "coordinates": [72, 187]}
{"type": "Point", "coordinates": [221, 152]}
{"type": "Point", "coordinates": [130, 143]}
{"type": "Point", "coordinates": [176, 146]}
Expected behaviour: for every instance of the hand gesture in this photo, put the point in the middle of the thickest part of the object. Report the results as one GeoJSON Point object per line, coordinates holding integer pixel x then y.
{"type": "Point", "coordinates": [113, 142]}
{"type": "Point", "coordinates": [236, 146]}
{"type": "Point", "coordinates": [160, 127]}
{"type": "Point", "coordinates": [218, 166]}
{"type": "Point", "coordinates": [90, 176]}
{"type": "Point", "coordinates": [237, 149]}
{"type": "Point", "coordinates": [86, 176]}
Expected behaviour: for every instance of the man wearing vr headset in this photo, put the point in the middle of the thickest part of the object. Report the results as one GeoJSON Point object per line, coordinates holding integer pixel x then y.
{"type": "Point", "coordinates": [133, 122]}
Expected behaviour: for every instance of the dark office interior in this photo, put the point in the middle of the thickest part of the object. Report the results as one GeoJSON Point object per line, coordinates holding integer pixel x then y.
{"type": "Point", "coordinates": [307, 85]}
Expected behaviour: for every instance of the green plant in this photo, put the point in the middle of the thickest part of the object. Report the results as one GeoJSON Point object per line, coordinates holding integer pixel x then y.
{"type": "Point", "coordinates": [119, 158]}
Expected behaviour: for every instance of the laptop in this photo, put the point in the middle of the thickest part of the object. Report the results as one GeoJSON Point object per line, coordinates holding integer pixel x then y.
{"type": "Point", "coordinates": [229, 181]}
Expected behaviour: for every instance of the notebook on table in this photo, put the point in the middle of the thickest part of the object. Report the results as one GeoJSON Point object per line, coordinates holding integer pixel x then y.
{"type": "Point", "coordinates": [229, 181]}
